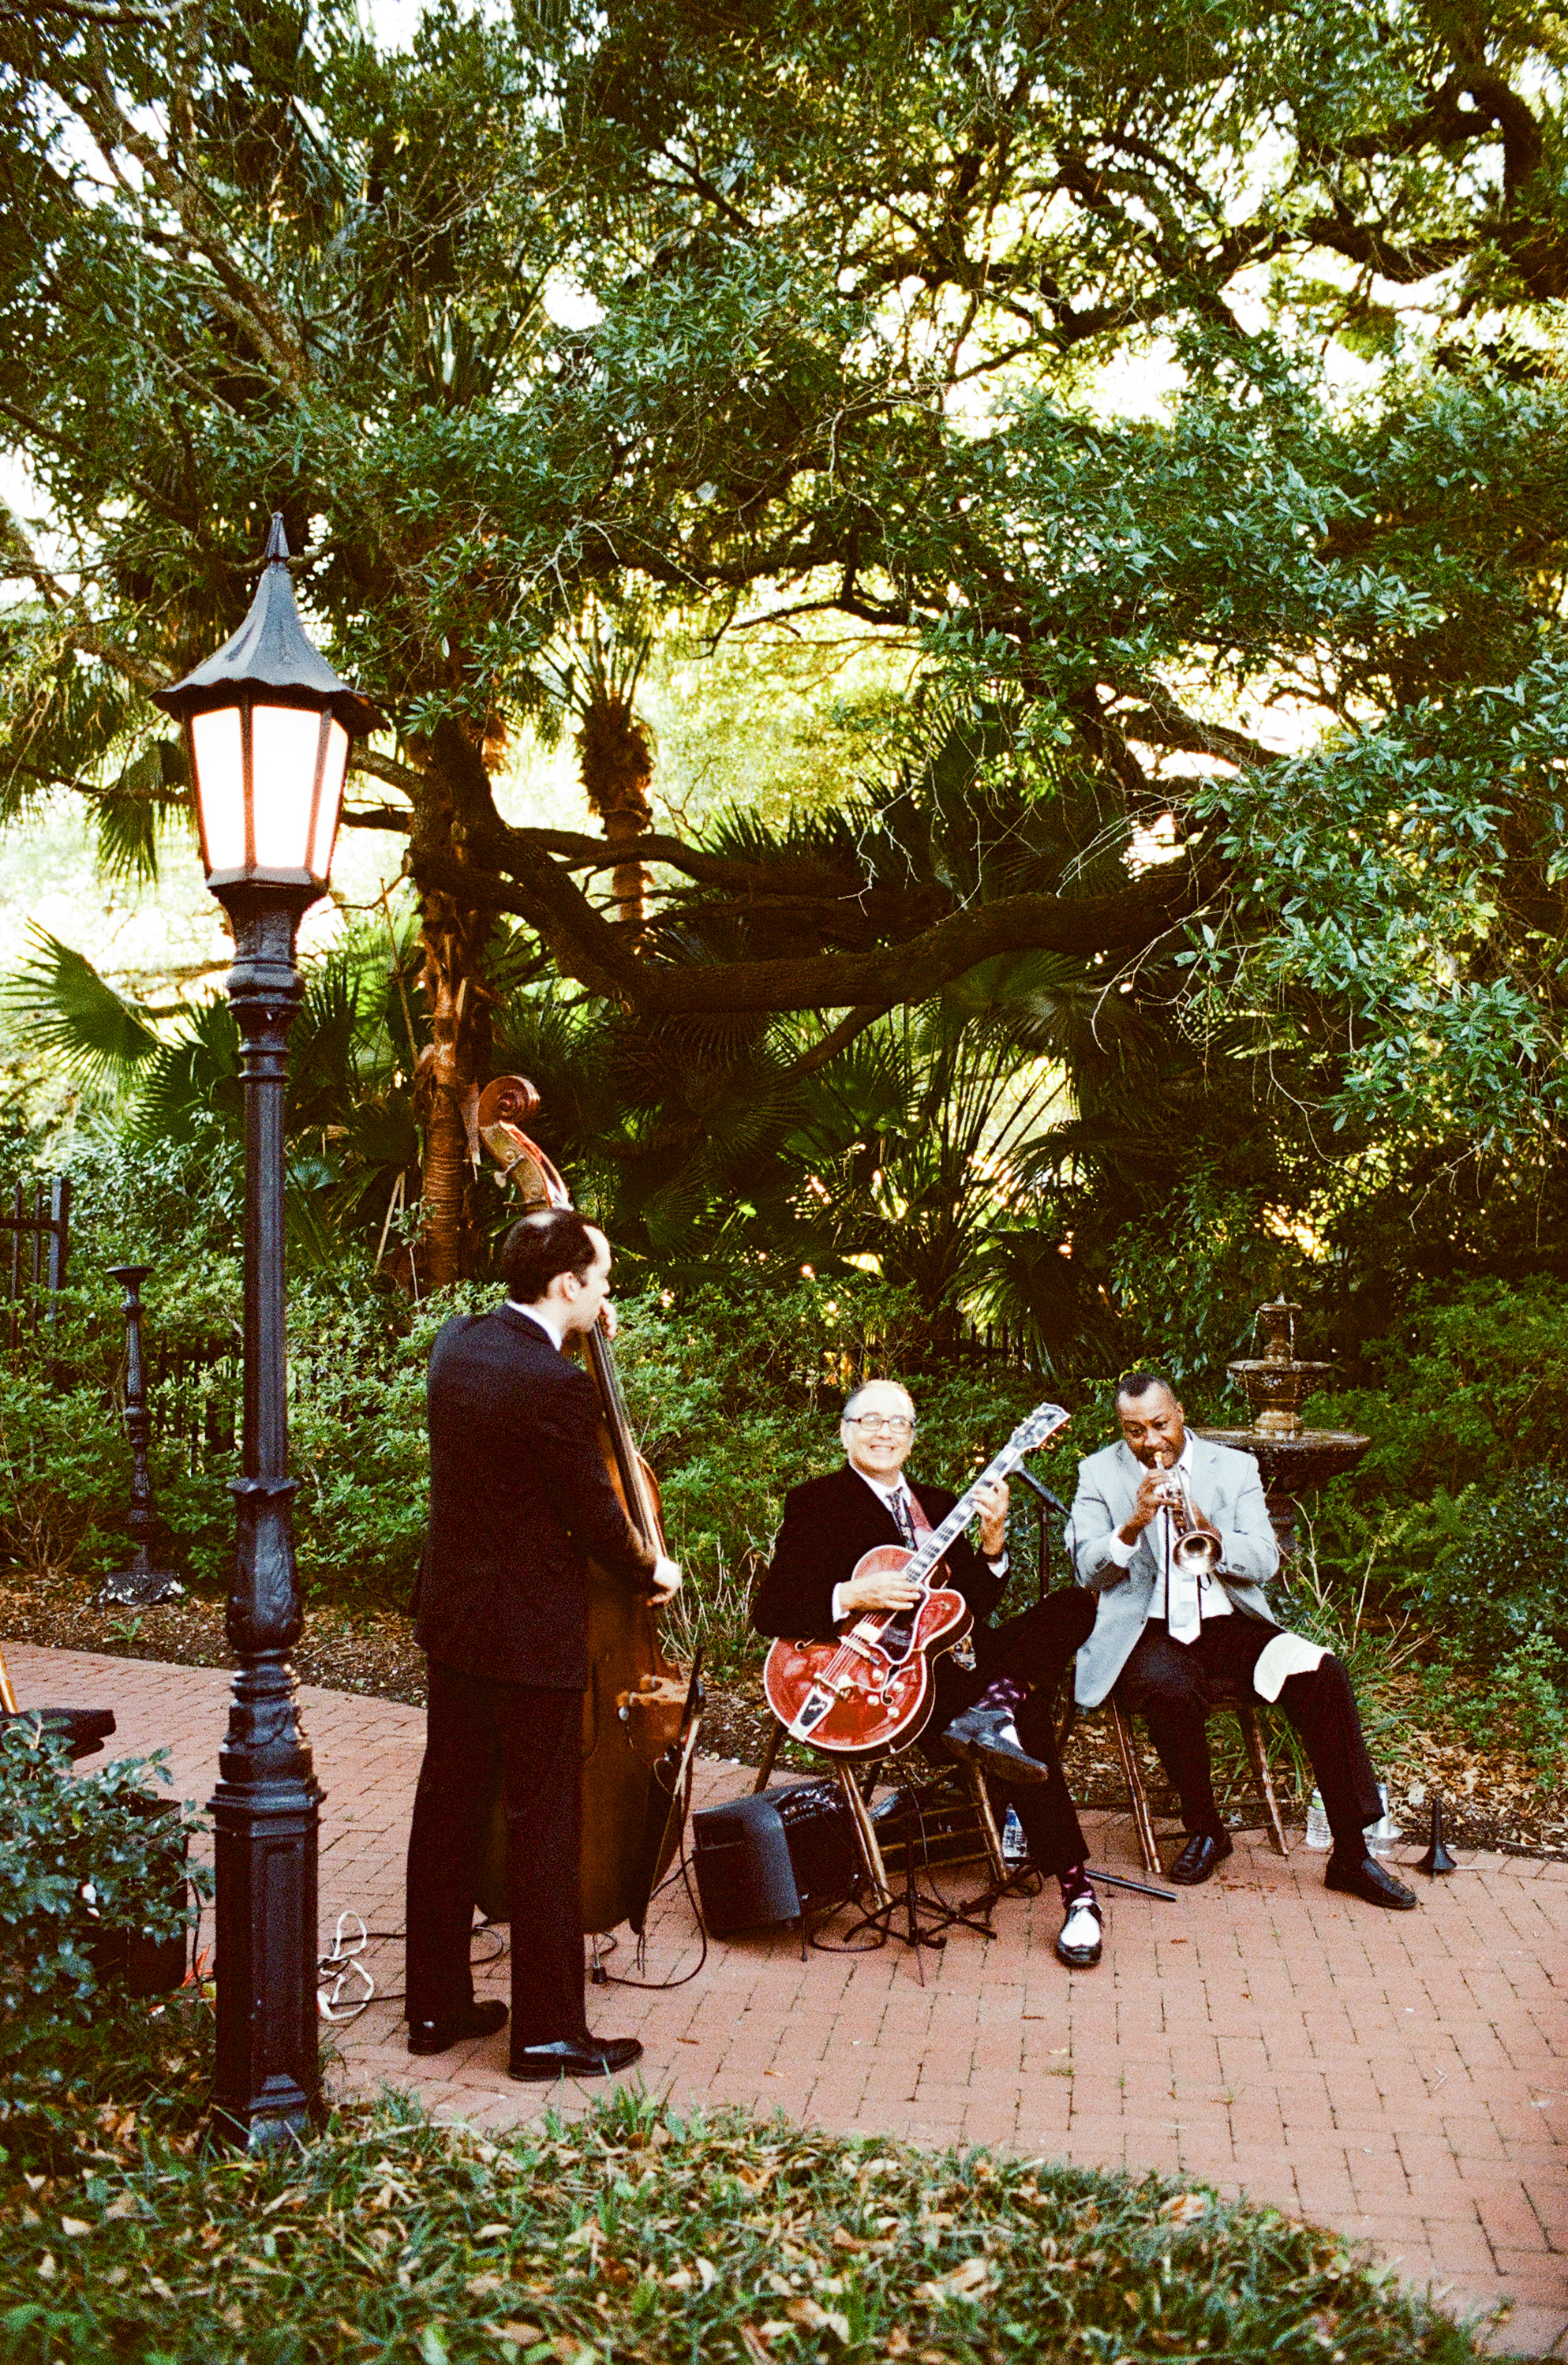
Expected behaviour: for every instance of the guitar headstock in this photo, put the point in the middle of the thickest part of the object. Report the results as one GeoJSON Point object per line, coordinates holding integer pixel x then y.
{"type": "Point", "coordinates": [1043, 1422]}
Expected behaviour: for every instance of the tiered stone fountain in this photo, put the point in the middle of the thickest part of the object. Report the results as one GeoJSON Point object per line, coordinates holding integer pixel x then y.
{"type": "Point", "coordinates": [1292, 1460]}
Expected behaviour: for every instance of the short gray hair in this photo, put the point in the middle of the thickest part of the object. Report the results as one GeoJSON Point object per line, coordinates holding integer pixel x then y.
{"type": "Point", "coordinates": [853, 1398]}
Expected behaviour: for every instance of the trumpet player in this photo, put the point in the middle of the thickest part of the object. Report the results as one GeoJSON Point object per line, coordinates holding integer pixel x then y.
{"type": "Point", "coordinates": [1173, 1535]}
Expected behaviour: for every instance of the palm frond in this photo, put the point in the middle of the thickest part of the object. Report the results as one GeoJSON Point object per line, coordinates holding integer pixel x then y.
{"type": "Point", "coordinates": [191, 1078]}
{"type": "Point", "coordinates": [128, 816]}
{"type": "Point", "coordinates": [100, 1036]}
{"type": "Point", "coordinates": [827, 840]}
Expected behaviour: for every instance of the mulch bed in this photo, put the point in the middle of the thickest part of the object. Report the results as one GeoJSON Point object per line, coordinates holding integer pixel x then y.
{"type": "Point", "coordinates": [1491, 1797]}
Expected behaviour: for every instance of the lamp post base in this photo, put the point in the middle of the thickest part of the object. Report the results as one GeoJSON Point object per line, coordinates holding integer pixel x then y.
{"type": "Point", "coordinates": [140, 1588]}
{"type": "Point", "coordinates": [267, 2083]}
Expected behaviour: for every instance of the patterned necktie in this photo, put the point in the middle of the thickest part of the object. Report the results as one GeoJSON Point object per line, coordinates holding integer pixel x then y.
{"type": "Point", "coordinates": [900, 1507]}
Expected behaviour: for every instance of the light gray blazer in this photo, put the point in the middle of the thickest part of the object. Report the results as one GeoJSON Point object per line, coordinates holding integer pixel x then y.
{"type": "Point", "coordinates": [1224, 1484]}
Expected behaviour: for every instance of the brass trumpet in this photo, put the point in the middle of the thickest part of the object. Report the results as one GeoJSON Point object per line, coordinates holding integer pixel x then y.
{"type": "Point", "coordinates": [1196, 1551]}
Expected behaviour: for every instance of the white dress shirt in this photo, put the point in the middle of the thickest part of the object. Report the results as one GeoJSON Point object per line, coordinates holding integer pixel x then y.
{"type": "Point", "coordinates": [893, 1497]}
{"type": "Point", "coordinates": [664, 1567]}
{"type": "Point", "coordinates": [1196, 1599]}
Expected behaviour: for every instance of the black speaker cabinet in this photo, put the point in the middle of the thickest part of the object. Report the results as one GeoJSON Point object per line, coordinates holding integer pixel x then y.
{"type": "Point", "coordinates": [774, 1857]}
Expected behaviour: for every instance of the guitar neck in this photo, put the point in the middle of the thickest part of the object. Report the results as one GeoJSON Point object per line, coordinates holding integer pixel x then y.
{"type": "Point", "coordinates": [933, 1545]}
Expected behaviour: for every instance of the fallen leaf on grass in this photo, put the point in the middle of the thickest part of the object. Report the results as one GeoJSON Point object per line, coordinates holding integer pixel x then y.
{"type": "Point", "coordinates": [755, 2348]}
{"type": "Point", "coordinates": [74, 2227]}
{"type": "Point", "coordinates": [967, 2282]}
{"type": "Point", "coordinates": [816, 2318]}
{"type": "Point", "coordinates": [1183, 2208]}
{"type": "Point", "coordinates": [519, 2334]}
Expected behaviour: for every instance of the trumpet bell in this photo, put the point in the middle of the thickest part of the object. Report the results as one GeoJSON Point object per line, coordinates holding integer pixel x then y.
{"type": "Point", "coordinates": [1195, 1554]}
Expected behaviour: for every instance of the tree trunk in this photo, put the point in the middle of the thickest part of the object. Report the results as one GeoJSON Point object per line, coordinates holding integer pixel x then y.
{"type": "Point", "coordinates": [453, 1067]}
{"type": "Point", "coordinates": [617, 764]}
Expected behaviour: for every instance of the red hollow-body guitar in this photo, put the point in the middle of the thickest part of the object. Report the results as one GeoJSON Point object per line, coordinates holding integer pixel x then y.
{"type": "Point", "coordinates": [872, 1690]}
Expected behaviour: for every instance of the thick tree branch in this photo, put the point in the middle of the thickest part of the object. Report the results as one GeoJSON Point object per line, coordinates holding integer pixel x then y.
{"type": "Point", "coordinates": [393, 817]}
{"type": "Point", "coordinates": [587, 948]}
{"type": "Point", "coordinates": [412, 782]}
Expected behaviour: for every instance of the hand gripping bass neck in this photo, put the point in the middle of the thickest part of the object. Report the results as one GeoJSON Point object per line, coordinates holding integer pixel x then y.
{"type": "Point", "coordinates": [872, 1690]}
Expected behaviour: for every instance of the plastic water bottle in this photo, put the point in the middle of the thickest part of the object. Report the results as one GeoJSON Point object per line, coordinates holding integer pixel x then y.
{"type": "Point", "coordinates": [1381, 1836]}
{"type": "Point", "coordinates": [1318, 1835]}
{"type": "Point", "coordinates": [1015, 1847]}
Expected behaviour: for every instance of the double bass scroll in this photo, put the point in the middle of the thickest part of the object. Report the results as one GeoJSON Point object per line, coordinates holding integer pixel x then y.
{"type": "Point", "coordinates": [640, 1710]}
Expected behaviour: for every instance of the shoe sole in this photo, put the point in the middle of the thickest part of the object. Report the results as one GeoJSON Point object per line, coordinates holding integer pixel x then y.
{"type": "Point", "coordinates": [1002, 1762]}
{"type": "Point", "coordinates": [1076, 1959]}
{"type": "Point", "coordinates": [549, 2077]}
{"type": "Point", "coordinates": [424, 2051]}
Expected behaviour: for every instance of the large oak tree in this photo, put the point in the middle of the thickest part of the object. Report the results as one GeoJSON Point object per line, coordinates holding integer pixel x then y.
{"type": "Point", "coordinates": [852, 280]}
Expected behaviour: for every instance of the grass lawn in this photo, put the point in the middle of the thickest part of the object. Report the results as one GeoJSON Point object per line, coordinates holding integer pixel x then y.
{"type": "Point", "coordinates": [632, 2234]}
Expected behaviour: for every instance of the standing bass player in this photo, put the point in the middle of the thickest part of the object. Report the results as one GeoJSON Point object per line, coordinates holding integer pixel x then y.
{"type": "Point", "coordinates": [999, 1711]}
{"type": "Point", "coordinates": [520, 1502]}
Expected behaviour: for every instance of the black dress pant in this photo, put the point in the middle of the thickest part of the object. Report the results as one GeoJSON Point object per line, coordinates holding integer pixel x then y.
{"type": "Point", "coordinates": [1174, 1686]}
{"type": "Point", "coordinates": [1035, 1648]}
{"type": "Point", "coordinates": [538, 1735]}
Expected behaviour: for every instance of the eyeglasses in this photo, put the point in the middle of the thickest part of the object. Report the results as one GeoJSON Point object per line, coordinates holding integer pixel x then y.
{"type": "Point", "coordinates": [872, 1422]}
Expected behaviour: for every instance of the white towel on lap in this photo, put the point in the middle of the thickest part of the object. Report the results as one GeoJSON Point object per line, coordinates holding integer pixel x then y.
{"type": "Point", "coordinates": [1287, 1654]}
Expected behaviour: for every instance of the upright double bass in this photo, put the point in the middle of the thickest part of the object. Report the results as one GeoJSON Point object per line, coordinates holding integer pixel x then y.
{"type": "Point", "coordinates": [641, 1710]}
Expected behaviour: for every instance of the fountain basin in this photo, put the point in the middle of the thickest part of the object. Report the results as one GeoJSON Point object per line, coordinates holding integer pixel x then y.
{"type": "Point", "coordinates": [1295, 1465]}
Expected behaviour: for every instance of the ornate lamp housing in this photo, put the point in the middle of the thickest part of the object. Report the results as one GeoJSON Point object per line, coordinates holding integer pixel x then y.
{"type": "Point", "coordinates": [268, 724]}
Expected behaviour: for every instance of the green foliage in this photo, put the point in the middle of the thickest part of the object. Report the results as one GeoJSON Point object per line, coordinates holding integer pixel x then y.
{"type": "Point", "coordinates": [65, 1475]}
{"type": "Point", "coordinates": [661, 2238]}
{"type": "Point", "coordinates": [82, 1863]}
{"type": "Point", "coordinates": [1471, 1388]}
{"type": "Point", "coordinates": [96, 1034]}
{"type": "Point", "coordinates": [1522, 1704]}
{"type": "Point", "coordinates": [1456, 1511]}
{"type": "Point", "coordinates": [1499, 1589]}
{"type": "Point", "coordinates": [353, 1052]}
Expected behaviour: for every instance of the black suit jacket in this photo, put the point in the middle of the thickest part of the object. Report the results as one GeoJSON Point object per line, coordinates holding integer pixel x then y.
{"type": "Point", "coordinates": [828, 1523]}
{"type": "Point", "coordinates": [520, 1502]}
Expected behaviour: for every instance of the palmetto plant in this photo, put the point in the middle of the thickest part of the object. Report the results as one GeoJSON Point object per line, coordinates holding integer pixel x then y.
{"type": "Point", "coordinates": [592, 678]}
{"type": "Point", "coordinates": [173, 1069]}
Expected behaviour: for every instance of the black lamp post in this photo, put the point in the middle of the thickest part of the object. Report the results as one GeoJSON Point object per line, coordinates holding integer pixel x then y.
{"type": "Point", "coordinates": [268, 725]}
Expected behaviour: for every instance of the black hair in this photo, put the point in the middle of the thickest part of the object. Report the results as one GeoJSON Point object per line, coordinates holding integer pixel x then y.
{"type": "Point", "coordinates": [1138, 1384]}
{"type": "Point", "coordinates": [539, 1246]}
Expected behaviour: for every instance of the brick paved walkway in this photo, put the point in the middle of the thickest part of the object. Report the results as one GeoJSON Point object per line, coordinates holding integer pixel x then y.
{"type": "Point", "coordinates": [1401, 2078]}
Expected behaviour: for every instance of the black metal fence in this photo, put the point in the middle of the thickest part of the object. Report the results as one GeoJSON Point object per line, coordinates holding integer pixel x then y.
{"type": "Point", "coordinates": [35, 1249]}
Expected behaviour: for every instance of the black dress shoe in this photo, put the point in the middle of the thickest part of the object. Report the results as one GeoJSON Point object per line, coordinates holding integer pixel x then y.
{"type": "Point", "coordinates": [990, 1735]}
{"type": "Point", "coordinates": [1199, 1859]}
{"type": "Point", "coordinates": [1368, 1881]}
{"type": "Point", "coordinates": [435, 2035]}
{"type": "Point", "coordinates": [575, 2057]}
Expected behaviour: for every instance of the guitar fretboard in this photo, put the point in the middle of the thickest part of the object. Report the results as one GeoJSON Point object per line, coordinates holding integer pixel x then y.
{"type": "Point", "coordinates": [1021, 1442]}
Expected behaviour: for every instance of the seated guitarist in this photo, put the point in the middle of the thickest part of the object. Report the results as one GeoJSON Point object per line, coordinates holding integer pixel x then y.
{"type": "Point", "coordinates": [999, 1711]}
